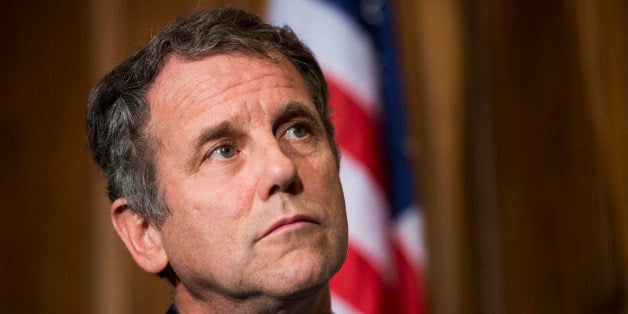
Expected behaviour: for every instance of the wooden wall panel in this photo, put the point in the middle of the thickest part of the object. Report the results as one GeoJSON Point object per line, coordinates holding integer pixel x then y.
{"type": "Point", "coordinates": [549, 177]}
{"type": "Point", "coordinates": [43, 190]}
{"type": "Point", "coordinates": [603, 49]}
{"type": "Point", "coordinates": [433, 48]}
{"type": "Point", "coordinates": [524, 166]}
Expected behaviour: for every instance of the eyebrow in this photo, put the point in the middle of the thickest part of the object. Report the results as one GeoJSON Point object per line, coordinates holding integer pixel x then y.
{"type": "Point", "coordinates": [293, 110]}
{"type": "Point", "coordinates": [211, 133]}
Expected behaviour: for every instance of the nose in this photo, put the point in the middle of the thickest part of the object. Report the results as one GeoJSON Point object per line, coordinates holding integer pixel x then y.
{"type": "Point", "coordinates": [279, 173]}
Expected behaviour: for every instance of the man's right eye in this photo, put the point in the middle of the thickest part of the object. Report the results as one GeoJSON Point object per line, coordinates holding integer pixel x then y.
{"type": "Point", "coordinates": [223, 152]}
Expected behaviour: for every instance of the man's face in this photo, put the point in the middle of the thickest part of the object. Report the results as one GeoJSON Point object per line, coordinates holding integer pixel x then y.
{"type": "Point", "coordinates": [249, 177]}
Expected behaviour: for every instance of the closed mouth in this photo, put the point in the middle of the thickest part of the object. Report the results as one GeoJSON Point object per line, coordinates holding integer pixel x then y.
{"type": "Point", "coordinates": [289, 221]}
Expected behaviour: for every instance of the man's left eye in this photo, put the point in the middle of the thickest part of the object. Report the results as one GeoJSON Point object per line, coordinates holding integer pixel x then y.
{"type": "Point", "coordinates": [296, 132]}
{"type": "Point", "coordinates": [223, 152]}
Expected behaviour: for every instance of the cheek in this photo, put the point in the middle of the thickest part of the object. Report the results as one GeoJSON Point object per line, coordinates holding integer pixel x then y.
{"type": "Point", "coordinates": [326, 173]}
{"type": "Point", "coordinates": [326, 189]}
{"type": "Point", "coordinates": [203, 213]}
{"type": "Point", "coordinates": [197, 237]}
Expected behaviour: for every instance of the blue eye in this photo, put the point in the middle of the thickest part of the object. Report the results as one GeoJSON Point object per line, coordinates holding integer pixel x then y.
{"type": "Point", "coordinates": [296, 132]}
{"type": "Point", "coordinates": [223, 152]}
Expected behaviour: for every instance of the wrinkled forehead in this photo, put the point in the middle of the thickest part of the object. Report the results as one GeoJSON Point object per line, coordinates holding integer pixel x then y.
{"type": "Point", "coordinates": [219, 87]}
{"type": "Point", "coordinates": [215, 74]}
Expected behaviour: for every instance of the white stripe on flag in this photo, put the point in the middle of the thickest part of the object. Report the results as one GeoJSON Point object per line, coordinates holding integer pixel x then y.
{"type": "Point", "coordinates": [342, 48]}
{"type": "Point", "coordinates": [367, 216]}
{"type": "Point", "coordinates": [340, 306]}
{"type": "Point", "coordinates": [409, 233]}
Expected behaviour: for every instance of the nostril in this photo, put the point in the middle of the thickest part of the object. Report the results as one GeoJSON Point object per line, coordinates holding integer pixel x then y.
{"type": "Point", "coordinates": [273, 190]}
{"type": "Point", "coordinates": [293, 187]}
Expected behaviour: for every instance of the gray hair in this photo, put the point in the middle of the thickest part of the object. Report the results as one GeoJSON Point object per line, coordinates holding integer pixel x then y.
{"type": "Point", "coordinates": [118, 111]}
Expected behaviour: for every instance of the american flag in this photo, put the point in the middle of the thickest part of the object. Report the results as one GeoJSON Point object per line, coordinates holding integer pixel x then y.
{"type": "Point", "coordinates": [354, 43]}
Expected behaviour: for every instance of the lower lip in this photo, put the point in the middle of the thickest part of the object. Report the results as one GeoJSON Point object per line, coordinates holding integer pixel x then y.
{"type": "Point", "coordinates": [289, 226]}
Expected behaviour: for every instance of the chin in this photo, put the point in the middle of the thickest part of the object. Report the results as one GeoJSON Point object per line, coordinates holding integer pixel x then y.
{"type": "Point", "coordinates": [303, 279]}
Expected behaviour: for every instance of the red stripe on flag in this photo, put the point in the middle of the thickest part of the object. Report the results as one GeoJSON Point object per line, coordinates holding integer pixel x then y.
{"type": "Point", "coordinates": [409, 293]}
{"type": "Point", "coordinates": [359, 283]}
{"type": "Point", "coordinates": [356, 133]}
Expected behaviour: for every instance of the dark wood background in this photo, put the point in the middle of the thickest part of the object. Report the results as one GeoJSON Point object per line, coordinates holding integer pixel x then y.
{"type": "Point", "coordinates": [518, 115]}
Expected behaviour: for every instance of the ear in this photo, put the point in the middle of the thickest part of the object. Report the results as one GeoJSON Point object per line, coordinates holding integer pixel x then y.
{"type": "Point", "coordinates": [141, 238]}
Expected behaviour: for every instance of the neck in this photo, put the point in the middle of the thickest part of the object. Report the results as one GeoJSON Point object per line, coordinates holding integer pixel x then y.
{"type": "Point", "coordinates": [318, 302]}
